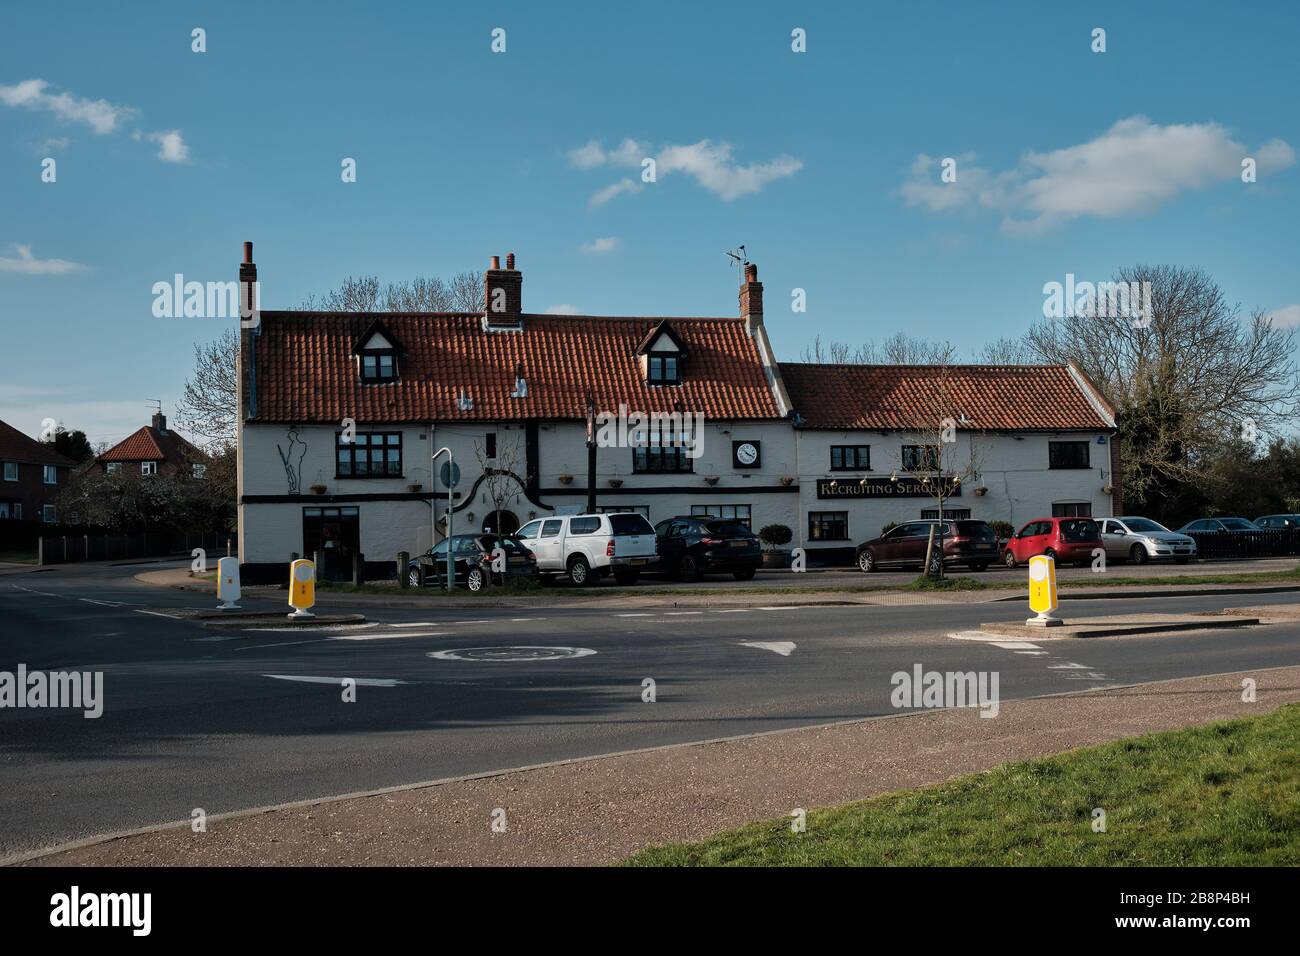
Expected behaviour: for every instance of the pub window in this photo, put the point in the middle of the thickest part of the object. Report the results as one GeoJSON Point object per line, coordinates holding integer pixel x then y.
{"type": "Point", "coordinates": [738, 513]}
{"type": "Point", "coordinates": [850, 457]}
{"type": "Point", "coordinates": [1067, 454]}
{"type": "Point", "coordinates": [663, 370]}
{"type": "Point", "coordinates": [1072, 509]}
{"type": "Point", "coordinates": [920, 458]}
{"type": "Point", "coordinates": [369, 455]}
{"type": "Point", "coordinates": [378, 365]}
{"type": "Point", "coordinates": [663, 452]}
{"type": "Point", "coordinates": [828, 526]}
{"type": "Point", "coordinates": [952, 514]}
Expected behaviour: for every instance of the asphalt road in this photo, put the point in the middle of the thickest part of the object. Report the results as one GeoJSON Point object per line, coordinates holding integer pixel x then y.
{"type": "Point", "coordinates": [201, 718]}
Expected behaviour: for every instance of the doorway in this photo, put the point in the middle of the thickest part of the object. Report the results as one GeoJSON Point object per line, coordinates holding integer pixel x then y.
{"type": "Point", "coordinates": [336, 534]}
{"type": "Point", "coordinates": [500, 522]}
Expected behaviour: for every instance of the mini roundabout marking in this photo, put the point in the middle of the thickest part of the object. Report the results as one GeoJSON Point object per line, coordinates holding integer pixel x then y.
{"type": "Point", "coordinates": [518, 654]}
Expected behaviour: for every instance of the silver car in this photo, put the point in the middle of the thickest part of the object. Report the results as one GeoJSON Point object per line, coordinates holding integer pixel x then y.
{"type": "Point", "coordinates": [1141, 540]}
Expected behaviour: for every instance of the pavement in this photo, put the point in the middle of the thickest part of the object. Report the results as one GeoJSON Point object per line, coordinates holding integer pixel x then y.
{"type": "Point", "coordinates": [232, 719]}
{"type": "Point", "coordinates": [602, 809]}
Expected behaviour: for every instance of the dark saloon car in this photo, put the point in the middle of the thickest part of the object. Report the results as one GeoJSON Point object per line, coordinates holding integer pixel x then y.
{"type": "Point", "coordinates": [1278, 522]}
{"type": "Point", "coordinates": [691, 546]}
{"type": "Point", "coordinates": [972, 543]}
{"type": "Point", "coordinates": [473, 556]}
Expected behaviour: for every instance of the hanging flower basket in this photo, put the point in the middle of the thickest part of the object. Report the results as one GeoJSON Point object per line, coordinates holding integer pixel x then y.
{"type": "Point", "coordinates": [318, 489]}
{"type": "Point", "coordinates": [566, 479]}
{"type": "Point", "coordinates": [787, 480]}
{"type": "Point", "coordinates": [616, 482]}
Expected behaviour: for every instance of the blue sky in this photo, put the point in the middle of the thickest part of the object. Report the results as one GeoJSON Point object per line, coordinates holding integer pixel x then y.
{"type": "Point", "coordinates": [1069, 161]}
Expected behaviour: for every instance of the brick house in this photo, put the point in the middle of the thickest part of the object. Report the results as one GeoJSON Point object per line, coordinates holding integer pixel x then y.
{"type": "Point", "coordinates": [32, 474]}
{"type": "Point", "coordinates": [340, 413]}
{"type": "Point", "coordinates": [153, 450]}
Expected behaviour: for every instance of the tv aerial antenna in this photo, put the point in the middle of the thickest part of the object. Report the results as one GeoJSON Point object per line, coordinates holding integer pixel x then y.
{"type": "Point", "coordinates": [739, 257]}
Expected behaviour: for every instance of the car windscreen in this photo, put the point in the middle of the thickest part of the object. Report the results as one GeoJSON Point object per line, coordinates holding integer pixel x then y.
{"type": "Point", "coordinates": [630, 523]}
{"type": "Point", "coordinates": [1144, 525]}
{"type": "Point", "coordinates": [974, 529]}
{"type": "Point", "coordinates": [1237, 524]}
{"type": "Point", "coordinates": [510, 545]}
{"type": "Point", "coordinates": [1080, 529]}
{"type": "Point", "coordinates": [726, 529]}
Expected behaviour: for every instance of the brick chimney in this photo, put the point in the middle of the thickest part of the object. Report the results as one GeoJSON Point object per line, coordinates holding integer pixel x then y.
{"type": "Point", "coordinates": [503, 293]}
{"type": "Point", "coordinates": [751, 298]}
{"type": "Point", "coordinates": [160, 422]}
{"type": "Point", "coordinates": [247, 283]}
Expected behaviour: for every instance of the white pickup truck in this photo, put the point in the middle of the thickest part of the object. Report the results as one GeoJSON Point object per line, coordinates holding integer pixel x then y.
{"type": "Point", "coordinates": [587, 547]}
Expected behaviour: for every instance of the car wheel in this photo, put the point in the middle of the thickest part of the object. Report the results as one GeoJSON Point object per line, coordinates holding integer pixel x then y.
{"type": "Point", "coordinates": [475, 579]}
{"type": "Point", "coordinates": [1049, 553]}
{"type": "Point", "coordinates": [1009, 558]}
{"type": "Point", "coordinates": [936, 564]}
{"type": "Point", "coordinates": [745, 575]}
{"type": "Point", "coordinates": [626, 578]}
{"type": "Point", "coordinates": [979, 566]}
{"type": "Point", "coordinates": [580, 572]}
{"type": "Point", "coordinates": [1138, 554]}
{"type": "Point", "coordinates": [690, 568]}
{"type": "Point", "coordinates": [413, 577]}
{"type": "Point", "coordinates": [867, 561]}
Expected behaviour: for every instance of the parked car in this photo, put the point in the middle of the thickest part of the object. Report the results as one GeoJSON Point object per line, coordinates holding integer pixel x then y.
{"type": "Point", "coordinates": [472, 555]}
{"type": "Point", "coordinates": [694, 545]}
{"type": "Point", "coordinates": [1063, 539]}
{"type": "Point", "coordinates": [1212, 525]}
{"type": "Point", "coordinates": [1141, 540]}
{"type": "Point", "coordinates": [589, 547]}
{"type": "Point", "coordinates": [1279, 522]}
{"type": "Point", "coordinates": [972, 543]}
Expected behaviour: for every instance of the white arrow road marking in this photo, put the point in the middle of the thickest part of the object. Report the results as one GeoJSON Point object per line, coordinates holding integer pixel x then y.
{"type": "Point", "coordinates": [784, 648]}
{"type": "Point", "coordinates": [360, 681]}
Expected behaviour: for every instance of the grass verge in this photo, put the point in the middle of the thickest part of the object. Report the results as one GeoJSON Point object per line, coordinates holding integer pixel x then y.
{"type": "Point", "coordinates": [1225, 794]}
{"type": "Point", "coordinates": [925, 583]}
{"type": "Point", "coordinates": [18, 557]}
{"type": "Point", "coordinates": [1240, 577]}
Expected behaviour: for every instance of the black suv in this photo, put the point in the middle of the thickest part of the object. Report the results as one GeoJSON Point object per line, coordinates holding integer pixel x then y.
{"type": "Point", "coordinates": [473, 556]}
{"type": "Point", "coordinates": [690, 546]}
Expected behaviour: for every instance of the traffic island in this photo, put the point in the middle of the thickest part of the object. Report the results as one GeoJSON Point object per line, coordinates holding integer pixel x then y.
{"type": "Point", "coordinates": [1119, 625]}
{"type": "Point", "coordinates": [249, 620]}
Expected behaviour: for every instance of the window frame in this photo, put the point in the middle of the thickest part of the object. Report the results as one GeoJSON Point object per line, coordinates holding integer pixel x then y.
{"type": "Point", "coordinates": [930, 456]}
{"type": "Point", "coordinates": [378, 378]}
{"type": "Point", "coordinates": [701, 511]}
{"type": "Point", "coordinates": [148, 469]}
{"type": "Point", "coordinates": [857, 450]}
{"type": "Point", "coordinates": [1062, 509]}
{"type": "Point", "coordinates": [661, 360]}
{"type": "Point", "coordinates": [818, 519]}
{"type": "Point", "coordinates": [11, 467]}
{"type": "Point", "coordinates": [353, 446]}
{"type": "Point", "coordinates": [50, 474]}
{"type": "Point", "coordinates": [1054, 455]}
{"type": "Point", "coordinates": [112, 467]}
{"type": "Point", "coordinates": [642, 456]}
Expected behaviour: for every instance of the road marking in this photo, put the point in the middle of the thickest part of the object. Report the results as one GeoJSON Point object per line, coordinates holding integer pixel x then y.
{"type": "Point", "coordinates": [524, 653]}
{"type": "Point", "coordinates": [1033, 653]}
{"type": "Point", "coordinates": [170, 617]}
{"type": "Point", "coordinates": [391, 637]}
{"type": "Point", "coordinates": [1067, 667]}
{"type": "Point", "coordinates": [19, 587]}
{"type": "Point", "coordinates": [784, 648]}
{"type": "Point", "coordinates": [781, 607]}
{"type": "Point", "coordinates": [258, 647]}
{"type": "Point", "coordinates": [359, 681]}
{"type": "Point", "coordinates": [516, 620]}
{"type": "Point", "coordinates": [681, 613]}
{"type": "Point", "coordinates": [479, 621]}
{"type": "Point", "coordinates": [416, 624]}
{"type": "Point", "coordinates": [734, 610]}
{"type": "Point", "coordinates": [1016, 645]}
{"type": "Point", "coordinates": [636, 615]}
{"type": "Point", "coordinates": [105, 603]}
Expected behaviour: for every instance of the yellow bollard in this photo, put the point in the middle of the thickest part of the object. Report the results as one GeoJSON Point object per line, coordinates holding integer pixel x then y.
{"type": "Point", "coordinates": [302, 587]}
{"type": "Point", "coordinates": [1042, 591]}
{"type": "Point", "coordinates": [228, 584]}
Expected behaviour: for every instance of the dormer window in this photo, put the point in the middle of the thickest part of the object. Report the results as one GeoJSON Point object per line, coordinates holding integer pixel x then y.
{"type": "Point", "coordinates": [663, 370]}
{"type": "Point", "coordinates": [662, 355]}
{"type": "Point", "coordinates": [378, 354]}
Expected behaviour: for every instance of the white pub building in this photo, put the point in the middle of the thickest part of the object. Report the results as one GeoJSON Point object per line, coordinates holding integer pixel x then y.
{"type": "Point", "coordinates": [340, 414]}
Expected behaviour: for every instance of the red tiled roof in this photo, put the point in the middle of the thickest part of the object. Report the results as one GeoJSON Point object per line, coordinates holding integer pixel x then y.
{"type": "Point", "coordinates": [306, 372]}
{"type": "Point", "coordinates": [994, 397]}
{"type": "Point", "coordinates": [149, 444]}
{"type": "Point", "coordinates": [16, 446]}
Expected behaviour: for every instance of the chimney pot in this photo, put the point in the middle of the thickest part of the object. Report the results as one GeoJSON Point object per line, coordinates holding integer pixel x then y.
{"type": "Point", "coordinates": [496, 263]}
{"type": "Point", "coordinates": [248, 252]}
{"type": "Point", "coordinates": [510, 260]}
{"type": "Point", "coordinates": [751, 272]}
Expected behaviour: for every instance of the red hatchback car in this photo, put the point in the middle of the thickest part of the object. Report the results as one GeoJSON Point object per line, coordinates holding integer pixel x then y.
{"type": "Point", "coordinates": [1064, 539]}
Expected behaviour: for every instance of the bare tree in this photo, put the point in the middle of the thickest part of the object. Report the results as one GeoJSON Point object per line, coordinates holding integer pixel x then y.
{"type": "Point", "coordinates": [931, 456]}
{"type": "Point", "coordinates": [1187, 375]}
{"type": "Point", "coordinates": [207, 406]}
{"type": "Point", "coordinates": [899, 349]}
{"type": "Point", "coordinates": [502, 472]}
{"type": "Point", "coordinates": [463, 292]}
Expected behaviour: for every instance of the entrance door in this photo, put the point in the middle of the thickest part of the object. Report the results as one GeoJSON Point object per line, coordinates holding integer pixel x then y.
{"type": "Point", "coordinates": [336, 534]}
{"type": "Point", "coordinates": [500, 522]}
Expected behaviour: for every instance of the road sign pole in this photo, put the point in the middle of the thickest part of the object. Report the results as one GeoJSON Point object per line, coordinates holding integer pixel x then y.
{"type": "Point", "coordinates": [451, 480]}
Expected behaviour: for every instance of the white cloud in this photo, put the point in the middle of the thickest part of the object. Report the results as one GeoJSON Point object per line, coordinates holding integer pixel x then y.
{"type": "Point", "coordinates": [27, 264]}
{"type": "Point", "coordinates": [602, 196]}
{"type": "Point", "coordinates": [1286, 317]}
{"type": "Point", "coordinates": [1131, 169]}
{"type": "Point", "coordinates": [601, 246]}
{"type": "Point", "coordinates": [171, 145]}
{"type": "Point", "coordinates": [53, 145]}
{"type": "Point", "coordinates": [710, 164]}
{"type": "Point", "coordinates": [100, 115]}
{"type": "Point", "coordinates": [563, 309]}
